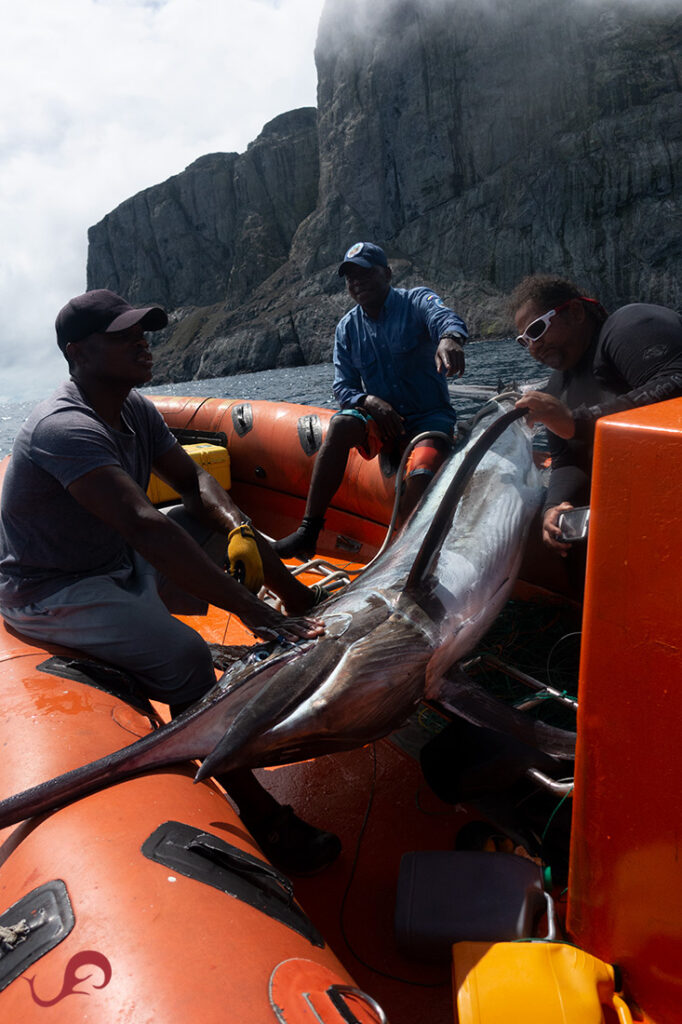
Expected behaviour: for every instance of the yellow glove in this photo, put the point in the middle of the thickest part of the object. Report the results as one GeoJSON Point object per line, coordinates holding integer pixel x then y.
{"type": "Point", "coordinates": [243, 558]}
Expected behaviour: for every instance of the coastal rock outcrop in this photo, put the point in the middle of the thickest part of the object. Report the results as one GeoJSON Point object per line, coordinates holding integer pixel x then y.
{"type": "Point", "coordinates": [217, 230]}
{"type": "Point", "coordinates": [476, 142]}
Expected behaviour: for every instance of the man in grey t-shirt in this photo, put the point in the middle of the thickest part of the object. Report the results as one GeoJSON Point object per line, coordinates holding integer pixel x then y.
{"type": "Point", "coordinates": [82, 550]}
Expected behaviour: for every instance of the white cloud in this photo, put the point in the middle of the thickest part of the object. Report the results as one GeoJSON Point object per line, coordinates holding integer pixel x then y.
{"type": "Point", "coordinates": [103, 98]}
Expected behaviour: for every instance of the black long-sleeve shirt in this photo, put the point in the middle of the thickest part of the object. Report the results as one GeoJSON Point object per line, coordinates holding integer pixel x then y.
{"type": "Point", "coordinates": [634, 359]}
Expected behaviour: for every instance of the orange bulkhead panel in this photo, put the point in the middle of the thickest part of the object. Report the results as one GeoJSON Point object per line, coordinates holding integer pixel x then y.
{"type": "Point", "coordinates": [625, 884]}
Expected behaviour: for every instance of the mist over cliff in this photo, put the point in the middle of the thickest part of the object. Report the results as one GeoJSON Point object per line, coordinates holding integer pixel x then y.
{"type": "Point", "coordinates": [476, 141]}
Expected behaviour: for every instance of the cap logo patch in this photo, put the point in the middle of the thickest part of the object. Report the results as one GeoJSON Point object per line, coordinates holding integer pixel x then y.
{"type": "Point", "coordinates": [354, 250]}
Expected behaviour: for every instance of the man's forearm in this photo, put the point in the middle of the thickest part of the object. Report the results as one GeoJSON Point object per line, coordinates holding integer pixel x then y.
{"type": "Point", "coordinates": [567, 483]}
{"type": "Point", "coordinates": [176, 555]}
{"type": "Point", "coordinates": [211, 505]}
{"type": "Point", "coordinates": [214, 508]}
{"type": "Point", "coordinates": [658, 389]}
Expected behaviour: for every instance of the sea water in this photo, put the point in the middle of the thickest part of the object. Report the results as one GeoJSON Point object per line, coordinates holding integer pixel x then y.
{"type": "Point", "coordinates": [489, 364]}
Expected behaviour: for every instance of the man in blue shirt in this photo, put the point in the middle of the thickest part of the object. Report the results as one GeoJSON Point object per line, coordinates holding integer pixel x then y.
{"type": "Point", "coordinates": [392, 353]}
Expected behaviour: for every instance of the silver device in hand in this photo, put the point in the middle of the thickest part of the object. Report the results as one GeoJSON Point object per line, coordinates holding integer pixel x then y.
{"type": "Point", "coordinates": [573, 524]}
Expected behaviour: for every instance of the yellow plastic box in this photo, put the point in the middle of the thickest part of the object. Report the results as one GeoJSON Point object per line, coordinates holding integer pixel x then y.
{"type": "Point", "coordinates": [212, 457]}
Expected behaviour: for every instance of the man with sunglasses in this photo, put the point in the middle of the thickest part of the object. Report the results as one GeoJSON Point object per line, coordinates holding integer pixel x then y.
{"type": "Point", "coordinates": [602, 364]}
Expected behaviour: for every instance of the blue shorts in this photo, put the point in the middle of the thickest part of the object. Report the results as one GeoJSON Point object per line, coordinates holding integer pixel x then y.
{"type": "Point", "coordinates": [427, 457]}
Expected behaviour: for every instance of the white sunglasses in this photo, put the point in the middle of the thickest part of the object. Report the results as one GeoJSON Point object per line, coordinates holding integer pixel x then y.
{"type": "Point", "coordinates": [537, 328]}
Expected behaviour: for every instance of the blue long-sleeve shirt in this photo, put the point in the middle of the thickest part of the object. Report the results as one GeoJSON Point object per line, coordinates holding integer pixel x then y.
{"type": "Point", "coordinates": [393, 357]}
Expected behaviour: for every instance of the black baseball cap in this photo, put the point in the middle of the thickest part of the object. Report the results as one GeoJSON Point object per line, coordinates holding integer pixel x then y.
{"type": "Point", "coordinates": [103, 312]}
{"type": "Point", "coordinates": [364, 254]}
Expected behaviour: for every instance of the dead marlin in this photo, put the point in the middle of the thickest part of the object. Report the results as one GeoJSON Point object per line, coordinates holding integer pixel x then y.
{"type": "Point", "coordinates": [390, 635]}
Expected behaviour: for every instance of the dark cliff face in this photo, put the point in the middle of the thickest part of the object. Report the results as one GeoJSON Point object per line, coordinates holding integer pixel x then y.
{"type": "Point", "coordinates": [218, 229]}
{"type": "Point", "coordinates": [493, 139]}
{"type": "Point", "coordinates": [477, 142]}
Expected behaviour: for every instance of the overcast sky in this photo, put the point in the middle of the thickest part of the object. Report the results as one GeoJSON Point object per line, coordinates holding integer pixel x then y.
{"type": "Point", "coordinates": [103, 98]}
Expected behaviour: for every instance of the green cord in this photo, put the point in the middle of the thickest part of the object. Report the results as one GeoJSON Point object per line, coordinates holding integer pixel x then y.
{"type": "Point", "coordinates": [554, 813]}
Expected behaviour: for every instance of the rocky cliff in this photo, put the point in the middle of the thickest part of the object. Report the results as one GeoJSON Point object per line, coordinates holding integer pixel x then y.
{"type": "Point", "coordinates": [477, 142]}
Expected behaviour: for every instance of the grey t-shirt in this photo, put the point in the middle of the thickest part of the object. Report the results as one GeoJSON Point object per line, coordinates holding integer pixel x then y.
{"type": "Point", "coordinates": [47, 539]}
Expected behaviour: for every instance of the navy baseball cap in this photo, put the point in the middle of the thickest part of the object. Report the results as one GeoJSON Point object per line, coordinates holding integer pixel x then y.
{"type": "Point", "coordinates": [103, 312]}
{"type": "Point", "coordinates": [364, 254]}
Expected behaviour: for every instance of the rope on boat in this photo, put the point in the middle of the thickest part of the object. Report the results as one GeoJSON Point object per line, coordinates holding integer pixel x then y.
{"type": "Point", "coordinates": [12, 935]}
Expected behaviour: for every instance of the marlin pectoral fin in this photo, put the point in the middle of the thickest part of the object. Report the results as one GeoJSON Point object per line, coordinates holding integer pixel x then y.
{"type": "Point", "coordinates": [272, 702]}
{"type": "Point", "coordinates": [462, 695]}
{"type": "Point", "coordinates": [369, 689]}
